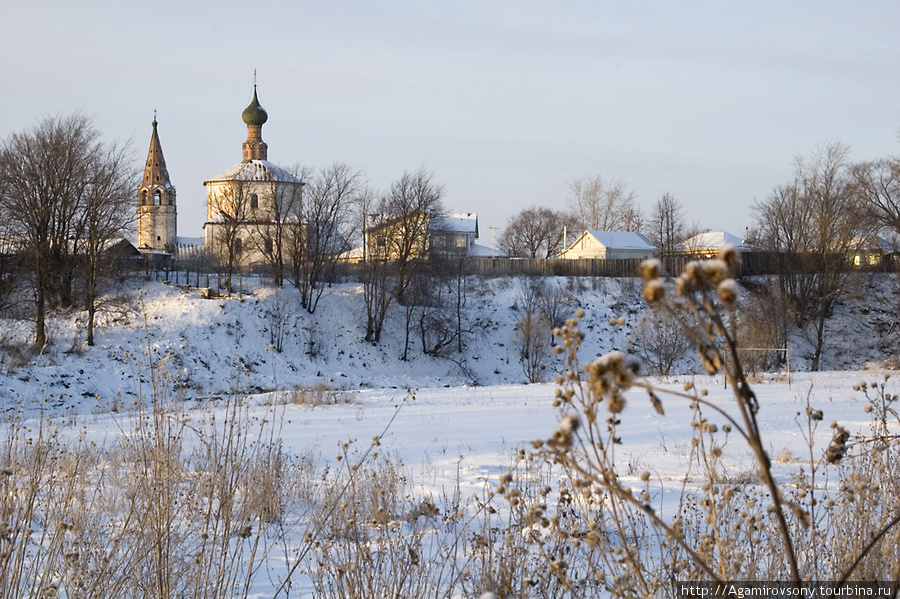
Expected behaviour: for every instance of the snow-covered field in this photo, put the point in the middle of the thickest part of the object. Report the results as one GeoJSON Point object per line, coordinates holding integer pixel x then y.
{"type": "Point", "coordinates": [463, 439]}
{"type": "Point", "coordinates": [452, 423]}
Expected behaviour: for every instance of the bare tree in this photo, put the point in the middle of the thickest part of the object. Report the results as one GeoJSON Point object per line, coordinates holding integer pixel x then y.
{"type": "Point", "coordinates": [764, 321]}
{"type": "Point", "coordinates": [535, 232]}
{"type": "Point", "coordinates": [278, 224]}
{"type": "Point", "coordinates": [7, 248]}
{"type": "Point", "coordinates": [532, 330]}
{"type": "Point", "coordinates": [325, 216]}
{"type": "Point", "coordinates": [48, 175]}
{"type": "Point", "coordinates": [441, 322]}
{"type": "Point", "coordinates": [555, 300]}
{"type": "Point", "coordinates": [378, 277]}
{"type": "Point", "coordinates": [396, 241]}
{"type": "Point", "coordinates": [818, 214]}
{"type": "Point", "coordinates": [106, 215]}
{"type": "Point", "coordinates": [231, 227]}
{"type": "Point", "coordinates": [376, 274]}
{"type": "Point", "coordinates": [281, 317]}
{"type": "Point", "coordinates": [879, 185]}
{"type": "Point", "coordinates": [666, 227]}
{"type": "Point", "coordinates": [633, 219]}
{"type": "Point", "coordinates": [601, 205]}
{"type": "Point", "coordinates": [406, 217]}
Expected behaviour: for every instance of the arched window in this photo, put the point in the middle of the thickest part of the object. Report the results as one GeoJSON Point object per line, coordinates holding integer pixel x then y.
{"type": "Point", "coordinates": [238, 245]}
{"type": "Point", "coordinates": [144, 198]}
{"type": "Point", "coordinates": [157, 197]}
{"type": "Point", "coordinates": [171, 197]}
{"type": "Point", "coordinates": [254, 201]}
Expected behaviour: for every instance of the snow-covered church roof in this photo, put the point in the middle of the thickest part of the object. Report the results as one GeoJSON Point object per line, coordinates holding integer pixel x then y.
{"type": "Point", "coordinates": [255, 170]}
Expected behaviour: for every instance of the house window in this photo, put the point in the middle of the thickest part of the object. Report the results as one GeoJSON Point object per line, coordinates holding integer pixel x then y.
{"type": "Point", "coordinates": [267, 245]}
{"type": "Point", "coordinates": [460, 241]}
{"type": "Point", "coordinates": [857, 260]}
{"type": "Point", "coordinates": [381, 241]}
{"type": "Point", "coordinates": [254, 201]}
{"type": "Point", "coordinates": [238, 245]}
{"type": "Point", "coordinates": [873, 260]}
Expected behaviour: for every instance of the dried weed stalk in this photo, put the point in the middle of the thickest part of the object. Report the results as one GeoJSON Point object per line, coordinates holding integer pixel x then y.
{"type": "Point", "coordinates": [605, 535]}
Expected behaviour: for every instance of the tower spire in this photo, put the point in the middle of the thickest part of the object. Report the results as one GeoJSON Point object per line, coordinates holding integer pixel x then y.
{"type": "Point", "coordinates": [155, 171]}
{"type": "Point", "coordinates": [156, 212]}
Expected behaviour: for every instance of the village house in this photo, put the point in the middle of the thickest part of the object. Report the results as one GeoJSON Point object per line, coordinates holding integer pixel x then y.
{"type": "Point", "coordinates": [388, 236]}
{"type": "Point", "coordinates": [455, 233]}
{"type": "Point", "coordinates": [872, 251]}
{"type": "Point", "coordinates": [609, 245]}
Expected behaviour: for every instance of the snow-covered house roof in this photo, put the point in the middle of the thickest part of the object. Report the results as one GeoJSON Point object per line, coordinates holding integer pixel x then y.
{"type": "Point", "coordinates": [482, 251]}
{"type": "Point", "coordinates": [875, 244]}
{"type": "Point", "coordinates": [713, 241]}
{"type": "Point", "coordinates": [610, 245]}
{"type": "Point", "coordinates": [458, 222]}
{"type": "Point", "coordinates": [255, 170]}
{"type": "Point", "coordinates": [356, 254]}
{"type": "Point", "coordinates": [622, 240]}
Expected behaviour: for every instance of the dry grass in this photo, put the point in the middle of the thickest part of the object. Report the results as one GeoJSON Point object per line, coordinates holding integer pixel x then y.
{"type": "Point", "coordinates": [319, 394]}
{"type": "Point", "coordinates": [603, 535]}
{"type": "Point", "coordinates": [178, 504]}
{"type": "Point", "coordinates": [197, 503]}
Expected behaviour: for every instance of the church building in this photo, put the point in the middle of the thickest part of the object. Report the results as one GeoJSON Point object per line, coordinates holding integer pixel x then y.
{"type": "Point", "coordinates": [156, 211]}
{"type": "Point", "coordinates": [249, 206]}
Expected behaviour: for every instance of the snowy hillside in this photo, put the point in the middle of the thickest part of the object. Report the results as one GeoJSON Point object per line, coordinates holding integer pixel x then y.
{"type": "Point", "coordinates": [212, 346]}
{"type": "Point", "coordinates": [209, 347]}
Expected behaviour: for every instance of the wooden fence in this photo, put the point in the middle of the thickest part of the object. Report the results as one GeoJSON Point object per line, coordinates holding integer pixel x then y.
{"type": "Point", "coordinates": [751, 264]}
{"type": "Point", "coordinates": [193, 271]}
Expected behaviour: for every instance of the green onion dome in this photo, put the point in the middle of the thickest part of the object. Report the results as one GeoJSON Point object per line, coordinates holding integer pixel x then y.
{"type": "Point", "coordinates": [254, 114]}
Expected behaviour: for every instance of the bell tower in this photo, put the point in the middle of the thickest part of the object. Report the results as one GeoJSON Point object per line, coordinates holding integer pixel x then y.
{"type": "Point", "coordinates": [156, 210]}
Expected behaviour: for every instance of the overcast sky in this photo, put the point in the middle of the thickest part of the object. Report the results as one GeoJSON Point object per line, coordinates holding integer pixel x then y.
{"type": "Point", "coordinates": [504, 101]}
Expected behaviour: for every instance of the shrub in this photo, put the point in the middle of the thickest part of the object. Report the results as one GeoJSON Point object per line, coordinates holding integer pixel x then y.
{"type": "Point", "coordinates": [660, 342]}
{"type": "Point", "coordinates": [319, 394]}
